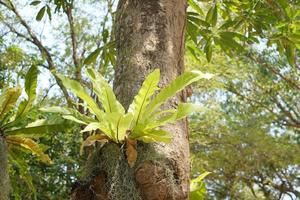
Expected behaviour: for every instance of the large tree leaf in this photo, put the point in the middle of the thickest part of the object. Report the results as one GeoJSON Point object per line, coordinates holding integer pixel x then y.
{"type": "Point", "coordinates": [212, 15]}
{"type": "Point", "coordinates": [105, 93]}
{"type": "Point", "coordinates": [8, 100]}
{"type": "Point", "coordinates": [31, 82]}
{"type": "Point", "coordinates": [192, 30]}
{"type": "Point", "coordinates": [208, 50]}
{"type": "Point", "coordinates": [103, 126]}
{"type": "Point", "coordinates": [119, 124]}
{"type": "Point", "coordinates": [36, 130]}
{"type": "Point", "coordinates": [41, 13]}
{"type": "Point", "coordinates": [175, 86]}
{"type": "Point", "coordinates": [171, 116]}
{"type": "Point", "coordinates": [30, 89]}
{"type": "Point", "coordinates": [123, 126]}
{"type": "Point", "coordinates": [79, 91]}
{"type": "Point", "coordinates": [92, 57]}
{"type": "Point", "coordinates": [195, 6]}
{"type": "Point", "coordinates": [154, 135]}
{"type": "Point", "coordinates": [67, 112]}
{"type": "Point", "coordinates": [142, 99]}
{"type": "Point", "coordinates": [185, 109]}
{"type": "Point", "coordinates": [290, 54]}
{"type": "Point", "coordinates": [30, 145]}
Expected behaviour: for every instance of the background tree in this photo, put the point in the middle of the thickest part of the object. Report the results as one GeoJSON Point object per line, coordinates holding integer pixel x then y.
{"type": "Point", "coordinates": [244, 134]}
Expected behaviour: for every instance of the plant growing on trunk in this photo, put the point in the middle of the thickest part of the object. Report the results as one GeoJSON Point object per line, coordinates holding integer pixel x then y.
{"type": "Point", "coordinates": [14, 135]}
{"type": "Point", "coordinates": [142, 121]}
{"type": "Point", "coordinates": [198, 187]}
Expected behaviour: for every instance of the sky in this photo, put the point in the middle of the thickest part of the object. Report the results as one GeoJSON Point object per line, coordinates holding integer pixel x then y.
{"type": "Point", "coordinates": [49, 32]}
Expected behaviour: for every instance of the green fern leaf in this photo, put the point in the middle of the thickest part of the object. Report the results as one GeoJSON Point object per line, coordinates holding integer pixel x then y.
{"type": "Point", "coordinates": [174, 87]}
{"type": "Point", "coordinates": [8, 100]}
{"type": "Point", "coordinates": [79, 91]}
{"type": "Point", "coordinates": [103, 126]}
{"type": "Point", "coordinates": [30, 89]}
{"type": "Point", "coordinates": [155, 136]}
{"type": "Point", "coordinates": [142, 99]}
{"type": "Point", "coordinates": [105, 93]}
{"type": "Point", "coordinates": [36, 130]}
{"type": "Point", "coordinates": [185, 109]}
{"type": "Point", "coordinates": [67, 112]}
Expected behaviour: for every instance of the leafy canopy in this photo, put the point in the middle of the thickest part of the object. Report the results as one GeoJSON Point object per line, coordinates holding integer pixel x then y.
{"type": "Point", "coordinates": [235, 25]}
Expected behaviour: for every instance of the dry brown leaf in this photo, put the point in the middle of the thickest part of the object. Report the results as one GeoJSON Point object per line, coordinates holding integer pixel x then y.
{"type": "Point", "coordinates": [92, 140]}
{"type": "Point", "coordinates": [31, 145]}
{"type": "Point", "coordinates": [131, 151]}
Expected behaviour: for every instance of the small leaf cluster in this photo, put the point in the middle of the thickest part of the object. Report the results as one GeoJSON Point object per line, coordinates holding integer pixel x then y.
{"type": "Point", "coordinates": [59, 4]}
{"type": "Point", "coordinates": [230, 25]}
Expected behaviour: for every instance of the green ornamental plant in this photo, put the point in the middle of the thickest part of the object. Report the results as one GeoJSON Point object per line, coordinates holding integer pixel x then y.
{"type": "Point", "coordinates": [142, 121]}
{"type": "Point", "coordinates": [20, 137]}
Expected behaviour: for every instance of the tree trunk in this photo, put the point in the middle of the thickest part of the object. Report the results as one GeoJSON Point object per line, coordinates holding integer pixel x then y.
{"type": "Point", "coordinates": [4, 177]}
{"type": "Point", "coordinates": [149, 35]}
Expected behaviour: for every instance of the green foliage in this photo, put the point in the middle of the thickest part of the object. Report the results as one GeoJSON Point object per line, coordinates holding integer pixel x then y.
{"type": "Point", "coordinates": [230, 25]}
{"type": "Point", "coordinates": [41, 13]}
{"type": "Point", "coordinates": [143, 119]}
{"type": "Point", "coordinates": [104, 92]}
{"type": "Point", "coordinates": [30, 89]}
{"type": "Point", "coordinates": [59, 4]}
{"type": "Point", "coordinates": [92, 57]}
{"type": "Point", "coordinates": [137, 123]}
{"type": "Point", "coordinates": [198, 188]}
{"type": "Point", "coordinates": [106, 52]}
{"type": "Point", "coordinates": [11, 56]}
{"type": "Point", "coordinates": [17, 135]}
{"type": "Point", "coordinates": [79, 91]}
{"type": "Point", "coordinates": [243, 137]}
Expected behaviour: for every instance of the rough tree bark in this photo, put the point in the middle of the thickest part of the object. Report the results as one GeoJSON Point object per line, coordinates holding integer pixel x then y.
{"type": "Point", "coordinates": [4, 178]}
{"type": "Point", "coordinates": [149, 35]}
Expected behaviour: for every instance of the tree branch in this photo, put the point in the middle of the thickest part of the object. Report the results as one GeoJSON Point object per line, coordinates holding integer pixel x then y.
{"type": "Point", "coordinates": [288, 80]}
{"type": "Point", "coordinates": [43, 50]}
{"type": "Point", "coordinates": [76, 59]}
